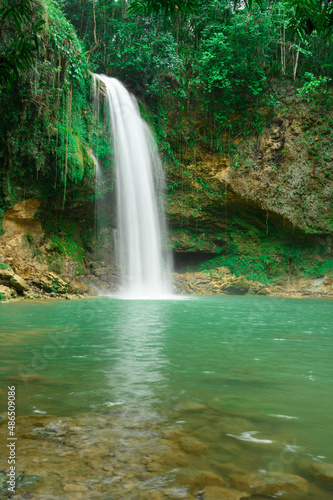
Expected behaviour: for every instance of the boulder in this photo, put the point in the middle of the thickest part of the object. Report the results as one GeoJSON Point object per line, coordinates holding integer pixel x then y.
{"type": "Point", "coordinates": [237, 286]}
{"type": "Point", "coordinates": [9, 278]}
{"type": "Point", "coordinates": [273, 483]}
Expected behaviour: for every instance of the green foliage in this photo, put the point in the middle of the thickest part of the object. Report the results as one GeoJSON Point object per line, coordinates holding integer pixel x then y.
{"type": "Point", "coordinates": [68, 247]}
{"type": "Point", "coordinates": [172, 7]}
{"type": "Point", "coordinates": [269, 257]}
{"type": "Point", "coordinates": [19, 38]}
{"type": "Point", "coordinates": [45, 128]}
{"type": "Point", "coordinates": [4, 266]}
{"type": "Point", "coordinates": [313, 87]}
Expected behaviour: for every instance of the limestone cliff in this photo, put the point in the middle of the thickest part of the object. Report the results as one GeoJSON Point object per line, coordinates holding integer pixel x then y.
{"type": "Point", "coordinates": [271, 198]}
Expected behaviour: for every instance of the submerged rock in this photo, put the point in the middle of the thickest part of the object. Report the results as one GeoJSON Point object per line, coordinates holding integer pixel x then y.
{"type": "Point", "coordinates": [199, 479]}
{"type": "Point", "coordinates": [321, 471]}
{"type": "Point", "coordinates": [189, 406]}
{"type": "Point", "coordinates": [217, 493]}
{"type": "Point", "coordinates": [192, 445]}
{"type": "Point", "coordinates": [73, 488]}
{"type": "Point", "coordinates": [273, 483]}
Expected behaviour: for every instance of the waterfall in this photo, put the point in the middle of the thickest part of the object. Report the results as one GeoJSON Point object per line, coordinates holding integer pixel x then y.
{"type": "Point", "coordinates": [141, 243]}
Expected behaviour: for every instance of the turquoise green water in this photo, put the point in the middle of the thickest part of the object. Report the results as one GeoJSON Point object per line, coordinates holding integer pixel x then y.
{"type": "Point", "coordinates": [263, 366]}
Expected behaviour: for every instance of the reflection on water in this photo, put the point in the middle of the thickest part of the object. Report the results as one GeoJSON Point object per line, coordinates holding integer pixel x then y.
{"type": "Point", "coordinates": [139, 373]}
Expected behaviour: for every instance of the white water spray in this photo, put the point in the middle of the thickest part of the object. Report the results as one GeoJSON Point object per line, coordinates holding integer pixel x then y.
{"type": "Point", "coordinates": [140, 184]}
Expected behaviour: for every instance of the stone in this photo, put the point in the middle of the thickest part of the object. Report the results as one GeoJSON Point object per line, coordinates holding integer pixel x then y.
{"type": "Point", "coordinates": [176, 493]}
{"type": "Point", "coordinates": [172, 457]}
{"type": "Point", "coordinates": [94, 452]}
{"type": "Point", "coordinates": [73, 488]}
{"type": "Point", "coordinates": [273, 483]}
{"type": "Point", "coordinates": [322, 471]}
{"type": "Point", "coordinates": [155, 495]}
{"type": "Point", "coordinates": [200, 479]}
{"type": "Point", "coordinates": [9, 278]}
{"type": "Point", "coordinates": [7, 293]}
{"type": "Point", "coordinates": [217, 493]}
{"type": "Point", "coordinates": [237, 286]}
{"type": "Point", "coordinates": [51, 282]}
{"type": "Point", "coordinates": [76, 286]}
{"type": "Point", "coordinates": [192, 445]}
{"type": "Point", "coordinates": [189, 406]}
{"type": "Point", "coordinates": [93, 292]}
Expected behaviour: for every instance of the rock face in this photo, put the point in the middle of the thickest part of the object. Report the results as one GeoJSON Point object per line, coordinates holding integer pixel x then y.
{"type": "Point", "coordinates": [21, 229]}
{"type": "Point", "coordinates": [51, 282]}
{"type": "Point", "coordinates": [265, 207]}
{"type": "Point", "coordinates": [273, 483]}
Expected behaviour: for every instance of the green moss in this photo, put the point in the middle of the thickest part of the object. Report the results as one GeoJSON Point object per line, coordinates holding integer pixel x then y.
{"type": "Point", "coordinates": [4, 266]}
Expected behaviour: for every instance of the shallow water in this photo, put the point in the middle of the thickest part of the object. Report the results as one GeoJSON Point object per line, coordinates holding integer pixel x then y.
{"type": "Point", "coordinates": [232, 384]}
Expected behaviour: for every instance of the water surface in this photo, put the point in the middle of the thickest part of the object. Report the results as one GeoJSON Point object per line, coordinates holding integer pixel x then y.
{"type": "Point", "coordinates": [249, 378]}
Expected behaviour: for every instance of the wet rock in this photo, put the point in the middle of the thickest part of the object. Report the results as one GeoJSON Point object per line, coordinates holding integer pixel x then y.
{"type": "Point", "coordinates": [217, 493]}
{"type": "Point", "coordinates": [192, 445]}
{"type": "Point", "coordinates": [321, 471]}
{"type": "Point", "coordinates": [48, 432]}
{"type": "Point", "coordinates": [177, 492]}
{"type": "Point", "coordinates": [155, 495]}
{"type": "Point", "coordinates": [93, 453]}
{"type": "Point", "coordinates": [189, 406]}
{"type": "Point", "coordinates": [198, 480]}
{"type": "Point", "coordinates": [73, 488]}
{"type": "Point", "coordinates": [273, 483]}
{"type": "Point", "coordinates": [154, 467]}
{"type": "Point", "coordinates": [177, 458]}
{"type": "Point", "coordinates": [9, 278]}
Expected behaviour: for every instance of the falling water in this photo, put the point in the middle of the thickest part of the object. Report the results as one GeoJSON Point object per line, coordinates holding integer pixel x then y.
{"type": "Point", "coordinates": [141, 233]}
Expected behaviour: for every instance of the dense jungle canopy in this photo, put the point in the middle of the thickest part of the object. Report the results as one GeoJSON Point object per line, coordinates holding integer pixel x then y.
{"type": "Point", "coordinates": [219, 57]}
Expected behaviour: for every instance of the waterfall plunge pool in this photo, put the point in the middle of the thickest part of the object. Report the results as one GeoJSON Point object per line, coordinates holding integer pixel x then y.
{"type": "Point", "coordinates": [170, 399]}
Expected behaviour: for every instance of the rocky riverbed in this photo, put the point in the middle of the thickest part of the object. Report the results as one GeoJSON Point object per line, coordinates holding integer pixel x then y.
{"type": "Point", "coordinates": [122, 454]}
